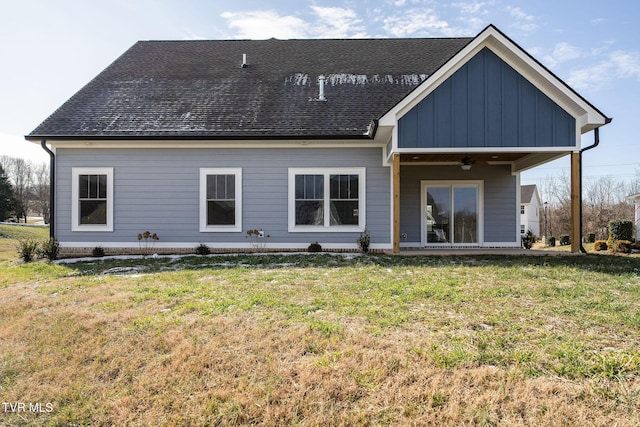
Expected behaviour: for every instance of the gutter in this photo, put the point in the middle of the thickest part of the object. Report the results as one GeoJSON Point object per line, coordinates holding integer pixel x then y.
{"type": "Point", "coordinates": [52, 188]}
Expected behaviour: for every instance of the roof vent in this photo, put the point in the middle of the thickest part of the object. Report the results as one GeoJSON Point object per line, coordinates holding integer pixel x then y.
{"type": "Point", "coordinates": [321, 96]}
{"type": "Point", "coordinates": [244, 60]}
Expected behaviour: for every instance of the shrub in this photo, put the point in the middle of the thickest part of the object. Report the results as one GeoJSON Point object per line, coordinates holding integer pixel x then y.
{"type": "Point", "coordinates": [203, 249]}
{"type": "Point", "coordinates": [600, 245]}
{"type": "Point", "coordinates": [622, 246]}
{"type": "Point", "coordinates": [364, 241]}
{"type": "Point", "coordinates": [620, 230]}
{"type": "Point", "coordinates": [27, 249]}
{"type": "Point", "coordinates": [565, 240]}
{"type": "Point", "coordinates": [97, 252]}
{"type": "Point", "coordinates": [49, 249]}
{"type": "Point", "coordinates": [314, 247]}
{"type": "Point", "coordinates": [551, 241]}
{"type": "Point", "coordinates": [258, 239]}
{"type": "Point", "coordinates": [591, 238]}
{"type": "Point", "coordinates": [146, 241]}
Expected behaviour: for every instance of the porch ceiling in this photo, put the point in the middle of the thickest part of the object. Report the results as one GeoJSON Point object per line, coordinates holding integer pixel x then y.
{"type": "Point", "coordinates": [519, 161]}
{"type": "Point", "coordinates": [476, 158]}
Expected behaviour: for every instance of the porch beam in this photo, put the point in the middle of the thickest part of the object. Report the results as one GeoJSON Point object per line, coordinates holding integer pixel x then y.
{"type": "Point", "coordinates": [396, 203]}
{"type": "Point", "coordinates": [576, 201]}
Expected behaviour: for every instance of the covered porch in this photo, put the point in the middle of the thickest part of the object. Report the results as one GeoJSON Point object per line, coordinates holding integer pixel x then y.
{"type": "Point", "coordinates": [467, 201]}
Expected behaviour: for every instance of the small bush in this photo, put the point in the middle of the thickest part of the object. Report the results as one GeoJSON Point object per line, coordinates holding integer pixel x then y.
{"type": "Point", "coordinates": [49, 249]}
{"type": "Point", "coordinates": [551, 241]}
{"type": "Point", "coordinates": [565, 240]}
{"type": "Point", "coordinates": [315, 247]}
{"type": "Point", "coordinates": [591, 238]}
{"type": "Point", "coordinates": [600, 245]}
{"type": "Point", "coordinates": [27, 249]}
{"type": "Point", "coordinates": [203, 249]}
{"type": "Point", "coordinates": [97, 252]}
{"type": "Point", "coordinates": [620, 230]}
{"type": "Point", "coordinates": [623, 246]}
{"type": "Point", "coordinates": [364, 241]}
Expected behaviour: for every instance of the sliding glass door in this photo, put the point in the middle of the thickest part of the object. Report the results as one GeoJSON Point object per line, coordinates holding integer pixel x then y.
{"type": "Point", "coordinates": [451, 212]}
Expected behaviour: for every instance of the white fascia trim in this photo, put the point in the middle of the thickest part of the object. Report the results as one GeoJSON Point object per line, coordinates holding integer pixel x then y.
{"type": "Point", "coordinates": [209, 143]}
{"type": "Point", "coordinates": [541, 78]}
{"type": "Point", "coordinates": [459, 150]}
{"type": "Point", "coordinates": [218, 245]}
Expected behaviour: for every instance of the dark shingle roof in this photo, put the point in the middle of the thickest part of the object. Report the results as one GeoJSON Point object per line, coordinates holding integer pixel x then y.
{"type": "Point", "coordinates": [198, 89]}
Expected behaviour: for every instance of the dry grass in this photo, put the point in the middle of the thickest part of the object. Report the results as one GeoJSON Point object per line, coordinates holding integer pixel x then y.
{"type": "Point", "coordinates": [323, 340]}
{"type": "Point", "coordinates": [10, 234]}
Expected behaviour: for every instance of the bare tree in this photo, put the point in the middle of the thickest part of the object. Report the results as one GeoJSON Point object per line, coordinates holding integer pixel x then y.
{"type": "Point", "coordinates": [41, 190]}
{"type": "Point", "coordinates": [22, 175]}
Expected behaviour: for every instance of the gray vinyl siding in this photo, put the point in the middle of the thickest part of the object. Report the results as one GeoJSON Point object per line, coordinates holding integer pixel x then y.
{"type": "Point", "coordinates": [159, 190]}
{"type": "Point", "coordinates": [500, 206]}
{"type": "Point", "coordinates": [486, 103]}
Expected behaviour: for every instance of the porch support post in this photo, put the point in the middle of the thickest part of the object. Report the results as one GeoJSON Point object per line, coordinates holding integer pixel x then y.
{"type": "Point", "coordinates": [576, 201]}
{"type": "Point", "coordinates": [396, 203]}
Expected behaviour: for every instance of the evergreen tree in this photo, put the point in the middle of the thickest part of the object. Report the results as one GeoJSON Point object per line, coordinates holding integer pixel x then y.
{"type": "Point", "coordinates": [7, 196]}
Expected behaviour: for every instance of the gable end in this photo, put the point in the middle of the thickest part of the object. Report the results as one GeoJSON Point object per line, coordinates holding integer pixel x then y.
{"type": "Point", "coordinates": [486, 103]}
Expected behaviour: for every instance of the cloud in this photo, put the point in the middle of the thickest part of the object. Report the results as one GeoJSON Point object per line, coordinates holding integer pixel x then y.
{"type": "Point", "coordinates": [265, 24]}
{"type": "Point", "coordinates": [522, 21]}
{"type": "Point", "coordinates": [336, 22]}
{"type": "Point", "coordinates": [420, 23]}
{"type": "Point", "coordinates": [563, 52]}
{"type": "Point", "coordinates": [324, 22]}
{"type": "Point", "coordinates": [474, 15]}
{"type": "Point", "coordinates": [617, 65]}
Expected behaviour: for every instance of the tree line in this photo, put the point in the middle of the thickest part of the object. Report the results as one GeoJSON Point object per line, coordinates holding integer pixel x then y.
{"type": "Point", "coordinates": [604, 199]}
{"type": "Point", "coordinates": [24, 189]}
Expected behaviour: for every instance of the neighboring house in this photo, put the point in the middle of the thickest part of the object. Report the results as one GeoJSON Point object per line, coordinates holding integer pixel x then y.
{"type": "Point", "coordinates": [635, 198]}
{"type": "Point", "coordinates": [529, 210]}
{"type": "Point", "coordinates": [419, 141]}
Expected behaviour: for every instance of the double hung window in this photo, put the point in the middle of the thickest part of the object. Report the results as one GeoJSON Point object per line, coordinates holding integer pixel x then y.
{"type": "Point", "coordinates": [220, 199]}
{"type": "Point", "coordinates": [92, 196]}
{"type": "Point", "coordinates": [326, 199]}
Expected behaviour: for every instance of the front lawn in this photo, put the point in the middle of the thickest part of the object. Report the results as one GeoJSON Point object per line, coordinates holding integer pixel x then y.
{"type": "Point", "coordinates": [322, 340]}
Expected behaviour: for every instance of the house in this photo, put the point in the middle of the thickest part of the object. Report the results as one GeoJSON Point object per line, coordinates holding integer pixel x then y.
{"type": "Point", "coordinates": [419, 141]}
{"type": "Point", "coordinates": [529, 210]}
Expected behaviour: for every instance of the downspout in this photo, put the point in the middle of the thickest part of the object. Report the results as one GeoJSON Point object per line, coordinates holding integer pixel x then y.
{"type": "Point", "coordinates": [596, 141]}
{"type": "Point", "coordinates": [52, 188]}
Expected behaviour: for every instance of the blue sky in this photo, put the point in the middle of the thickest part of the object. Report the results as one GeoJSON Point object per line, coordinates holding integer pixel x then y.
{"type": "Point", "coordinates": [50, 49]}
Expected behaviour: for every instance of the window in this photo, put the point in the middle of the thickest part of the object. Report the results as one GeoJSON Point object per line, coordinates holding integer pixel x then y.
{"type": "Point", "coordinates": [326, 200]}
{"type": "Point", "coordinates": [522, 210]}
{"type": "Point", "coordinates": [92, 199]}
{"type": "Point", "coordinates": [522, 229]}
{"type": "Point", "coordinates": [220, 200]}
{"type": "Point", "coordinates": [452, 212]}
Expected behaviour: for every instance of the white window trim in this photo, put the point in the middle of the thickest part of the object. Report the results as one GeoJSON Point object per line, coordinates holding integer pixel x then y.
{"type": "Point", "coordinates": [75, 201]}
{"type": "Point", "coordinates": [237, 227]}
{"type": "Point", "coordinates": [453, 183]}
{"type": "Point", "coordinates": [327, 228]}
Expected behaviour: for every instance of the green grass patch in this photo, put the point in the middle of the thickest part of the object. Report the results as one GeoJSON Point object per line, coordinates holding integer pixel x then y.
{"type": "Point", "coordinates": [322, 331]}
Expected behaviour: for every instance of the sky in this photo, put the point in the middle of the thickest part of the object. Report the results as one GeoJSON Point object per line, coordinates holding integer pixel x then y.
{"type": "Point", "coordinates": [49, 49]}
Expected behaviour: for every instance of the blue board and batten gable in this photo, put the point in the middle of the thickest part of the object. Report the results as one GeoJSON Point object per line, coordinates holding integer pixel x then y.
{"type": "Point", "coordinates": [486, 103]}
